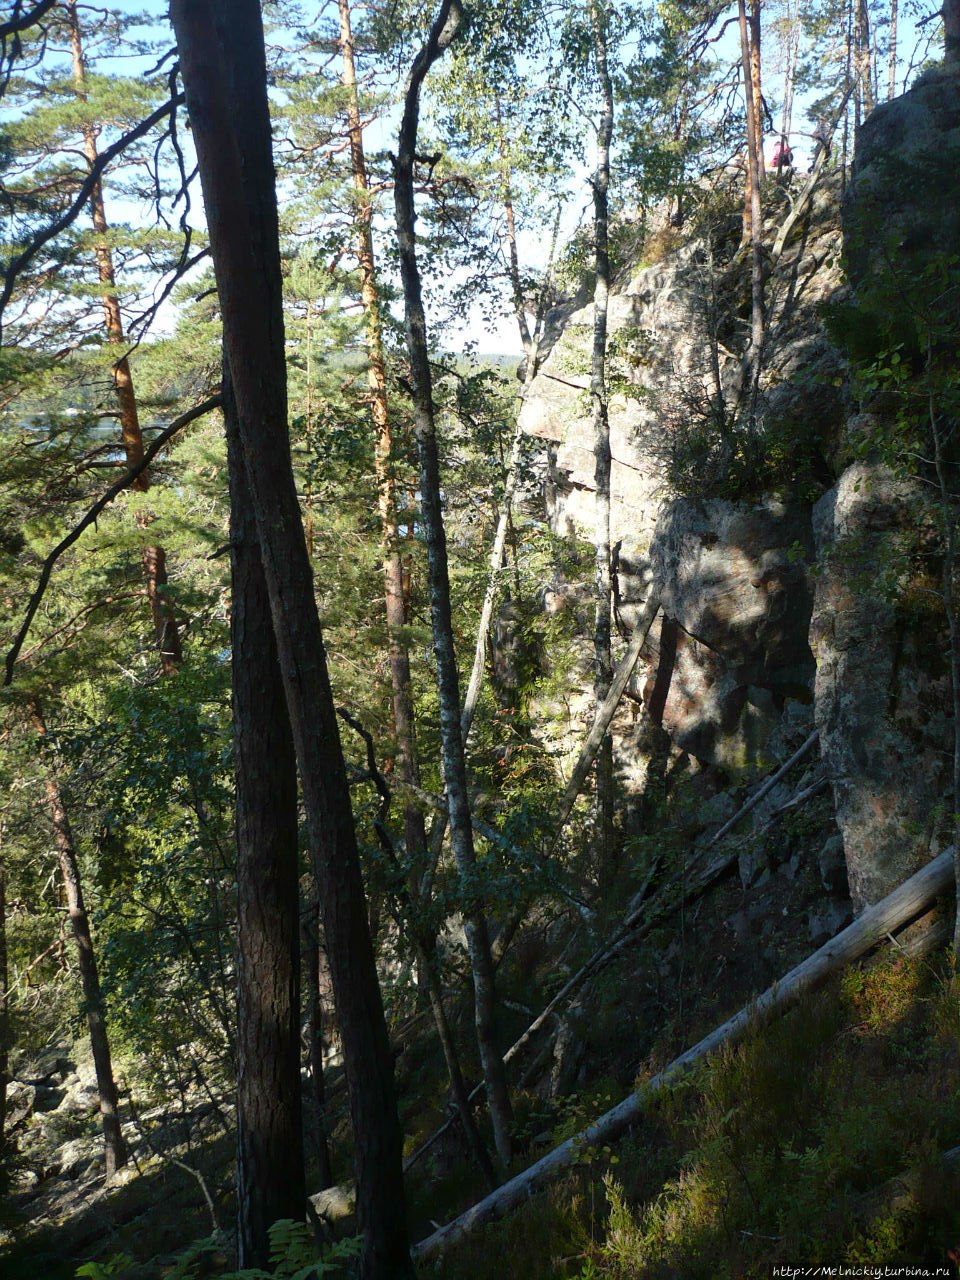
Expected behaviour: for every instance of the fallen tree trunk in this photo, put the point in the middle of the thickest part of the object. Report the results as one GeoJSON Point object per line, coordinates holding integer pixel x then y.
{"type": "Point", "coordinates": [899, 1193]}
{"type": "Point", "coordinates": [895, 911]}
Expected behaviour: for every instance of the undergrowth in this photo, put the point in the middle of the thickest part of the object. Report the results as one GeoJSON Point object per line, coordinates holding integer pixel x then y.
{"type": "Point", "coordinates": [815, 1142]}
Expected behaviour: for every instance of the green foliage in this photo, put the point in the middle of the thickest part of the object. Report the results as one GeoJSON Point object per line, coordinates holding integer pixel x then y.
{"type": "Point", "coordinates": [671, 114]}
{"type": "Point", "coordinates": [293, 1256]}
{"type": "Point", "coordinates": [115, 1264]}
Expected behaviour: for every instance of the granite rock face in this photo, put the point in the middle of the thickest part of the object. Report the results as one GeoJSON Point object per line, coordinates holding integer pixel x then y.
{"type": "Point", "coordinates": [766, 609]}
{"type": "Point", "coordinates": [732, 635]}
{"type": "Point", "coordinates": [882, 693]}
{"type": "Point", "coordinates": [732, 578]}
{"type": "Point", "coordinates": [651, 327]}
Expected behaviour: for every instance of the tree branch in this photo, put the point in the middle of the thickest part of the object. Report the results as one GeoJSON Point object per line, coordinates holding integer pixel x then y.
{"type": "Point", "coordinates": [198, 410]}
{"type": "Point", "coordinates": [20, 22]}
{"type": "Point", "coordinates": [23, 259]}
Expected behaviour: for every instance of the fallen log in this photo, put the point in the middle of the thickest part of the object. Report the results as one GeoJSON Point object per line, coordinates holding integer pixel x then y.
{"type": "Point", "coordinates": [899, 1193]}
{"type": "Point", "coordinates": [898, 909]}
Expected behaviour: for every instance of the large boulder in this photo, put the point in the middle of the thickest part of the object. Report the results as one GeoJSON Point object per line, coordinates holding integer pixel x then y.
{"type": "Point", "coordinates": [882, 693]}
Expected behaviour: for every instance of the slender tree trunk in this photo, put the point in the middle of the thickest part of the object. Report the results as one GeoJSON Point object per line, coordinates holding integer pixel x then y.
{"type": "Point", "coordinates": [865, 58]}
{"type": "Point", "coordinates": [408, 766]}
{"type": "Point", "coordinates": [756, 219]}
{"type": "Point", "coordinates": [153, 556]}
{"type": "Point", "coordinates": [850, 89]}
{"type": "Point", "coordinates": [756, 82]}
{"type": "Point", "coordinates": [856, 44]}
{"type": "Point", "coordinates": [311, 945]}
{"type": "Point", "coordinates": [602, 658]}
{"type": "Point", "coordinates": [270, 1181]}
{"type": "Point", "coordinates": [308, 494]}
{"type": "Point", "coordinates": [531, 346]}
{"type": "Point", "coordinates": [454, 765]}
{"type": "Point", "coordinates": [951, 31]}
{"type": "Point", "coordinates": [223, 64]}
{"type": "Point", "coordinates": [461, 1095]}
{"type": "Point", "coordinates": [115, 1147]}
{"type": "Point", "coordinates": [790, 75]}
{"type": "Point", "coordinates": [892, 71]}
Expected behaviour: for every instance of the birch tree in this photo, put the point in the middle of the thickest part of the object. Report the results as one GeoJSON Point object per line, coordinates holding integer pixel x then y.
{"type": "Point", "coordinates": [442, 33]}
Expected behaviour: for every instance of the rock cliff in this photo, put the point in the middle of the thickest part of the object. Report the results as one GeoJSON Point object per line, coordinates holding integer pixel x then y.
{"type": "Point", "coordinates": [784, 551]}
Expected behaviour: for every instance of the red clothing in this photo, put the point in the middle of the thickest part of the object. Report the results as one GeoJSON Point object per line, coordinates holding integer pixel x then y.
{"type": "Point", "coordinates": [782, 155]}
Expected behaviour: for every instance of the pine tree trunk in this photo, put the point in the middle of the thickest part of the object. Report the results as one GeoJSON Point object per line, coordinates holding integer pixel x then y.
{"type": "Point", "coordinates": [790, 74]}
{"type": "Point", "coordinates": [408, 766]}
{"type": "Point", "coordinates": [850, 89]}
{"type": "Point", "coordinates": [602, 659]}
{"type": "Point", "coordinates": [454, 764]}
{"type": "Point", "coordinates": [114, 1145]}
{"type": "Point", "coordinates": [153, 557]}
{"type": "Point", "coordinates": [223, 64]}
{"type": "Point", "coordinates": [756, 218]}
{"type": "Point", "coordinates": [270, 1180]}
{"type": "Point", "coordinates": [865, 58]}
{"type": "Point", "coordinates": [756, 83]}
{"type": "Point", "coordinates": [856, 53]}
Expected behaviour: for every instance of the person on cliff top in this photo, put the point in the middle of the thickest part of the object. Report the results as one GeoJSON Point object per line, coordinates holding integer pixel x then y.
{"type": "Point", "coordinates": [782, 156]}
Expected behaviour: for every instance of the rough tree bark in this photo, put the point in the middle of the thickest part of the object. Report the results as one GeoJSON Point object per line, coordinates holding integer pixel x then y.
{"type": "Point", "coordinates": [270, 1181]}
{"type": "Point", "coordinates": [403, 710]}
{"type": "Point", "coordinates": [441, 34]}
{"type": "Point", "coordinates": [115, 1147]}
{"type": "Point", "coordinates": [865, 57]}
{"type": "Point", "coordinates": [223, 64]}
{"type": "Point", "coordinates": [756, 217]}
{"type": "Point", "coordinates": [602, 658]}
{"type": "Point", "coordinates": [153, 556]}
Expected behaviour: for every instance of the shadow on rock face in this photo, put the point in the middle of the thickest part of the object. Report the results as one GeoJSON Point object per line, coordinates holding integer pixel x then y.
{"type": "Point", "coordinates": [733, 578]}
